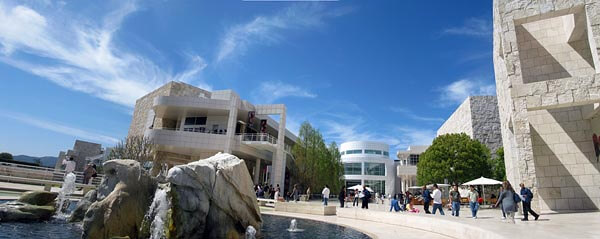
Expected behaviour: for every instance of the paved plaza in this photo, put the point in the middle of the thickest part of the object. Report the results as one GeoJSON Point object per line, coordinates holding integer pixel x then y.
{"type": "Point", "coordinates": [378, 222]}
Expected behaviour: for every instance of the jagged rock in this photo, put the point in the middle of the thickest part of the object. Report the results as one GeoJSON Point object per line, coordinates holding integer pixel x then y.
{"type": "Point", "coordinates": [212, 198]}
{"type": "Point", "coordinates": [39, 198]}
{"type": "Point", "coordinates": [23, 212]}
{"type": "Point", "coordinates": [120, 211]}
{"type": "Point", "coordinates": [83, 205]}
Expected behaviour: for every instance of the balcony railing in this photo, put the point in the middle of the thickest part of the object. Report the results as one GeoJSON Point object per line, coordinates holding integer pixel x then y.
{"type": "Point", "coordinates": [258, 138]}
{"type": "Point", "coordinates": [194, 130]}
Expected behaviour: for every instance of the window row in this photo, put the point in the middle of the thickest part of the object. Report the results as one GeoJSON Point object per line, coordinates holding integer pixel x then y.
{"type": "Point", "coordinates": [195, 121]}
{"type": "Point", "coordinates": [366, 151]}
{"type": "Point", "coordinates": [376, 169]}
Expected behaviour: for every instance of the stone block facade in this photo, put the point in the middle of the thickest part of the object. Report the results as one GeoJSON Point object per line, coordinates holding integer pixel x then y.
{"type": "Point", "coordinates": [477, 117]}
{"type": "Point", "coordinates": [548, 87]}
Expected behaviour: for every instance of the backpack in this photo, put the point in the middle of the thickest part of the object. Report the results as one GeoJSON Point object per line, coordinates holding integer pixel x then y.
{"type": "Point", "coordinates": [516, 197]}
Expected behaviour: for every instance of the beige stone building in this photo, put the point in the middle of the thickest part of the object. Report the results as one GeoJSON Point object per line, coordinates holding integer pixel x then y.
{"type": "Point", "coordinates": [477, 117]}
{"type": "Point", "coordinates": [548, 87]}
{"type": "Point", "coordinates": [188, 123]}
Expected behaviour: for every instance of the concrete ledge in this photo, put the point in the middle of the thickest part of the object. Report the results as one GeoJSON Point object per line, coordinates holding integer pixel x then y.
{"type": "Point", "coordinates": [306, 208]}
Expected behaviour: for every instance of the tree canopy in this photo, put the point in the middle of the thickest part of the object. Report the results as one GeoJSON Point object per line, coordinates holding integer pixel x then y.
{"type": "Point", "coordinates": [316, 163]}
{"type": "Point", "coordinates": [6, 156]}
{"type": "Point", "coordinates": [455, 157]}
{"type": "Point", "coordinates": [498, 168]}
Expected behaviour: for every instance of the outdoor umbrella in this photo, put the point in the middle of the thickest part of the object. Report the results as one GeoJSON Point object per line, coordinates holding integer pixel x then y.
{"type": "Point", "coordinates": [483, 182]}
{"type": "Point", "coordinates": [359, 188]}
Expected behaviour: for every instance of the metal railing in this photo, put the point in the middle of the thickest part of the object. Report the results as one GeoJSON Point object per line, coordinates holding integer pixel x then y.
{"type": "Point", "coordinates": [195, 130]}
{"type": "Point", "coordinates": [27, 173]}
{"type": "Point", "coordinates": [258, 138]}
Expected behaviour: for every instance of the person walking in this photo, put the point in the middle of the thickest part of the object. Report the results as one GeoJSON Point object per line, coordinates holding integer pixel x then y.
{"type": "Point", "coordinates": [342, 196]}
{"type": "Point", "coordinates": [356, 197]}
{"type": "Point", "coordinates": [407, 197]}
{"type": "Point", "coordinates": [437, 200]}
{"type": "Point", "coordinates": [365, 198]}
{"type": "Point", "coordinates": [509, 200]}
{"type": "Point", "coordinates": [527, 196]}
{"type": "Point", "coordinates": [276, 196]}
{"type": "Point", "coordinates": [455, 199]}
{"type": "Point", "coordinates": [88, 172]}
{"type": "Point", "coordinates": [426, 199]}
{"type": "Point", "coordinates": [325, 193]}
{"type": "Point", "coordinates": [376, 198]}
{"type": "Point", "coordinates": [70, 165]}
{"type": "Point", "coordinates": [473, 204]}
{"type": "Point", "coordinates": [295, 193]}
{"type": "Point", "coordinates": [308, 194]}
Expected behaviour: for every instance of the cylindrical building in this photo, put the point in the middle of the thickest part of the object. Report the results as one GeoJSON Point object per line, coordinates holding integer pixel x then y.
{"type": "Point", "coordinates": [369, 163]}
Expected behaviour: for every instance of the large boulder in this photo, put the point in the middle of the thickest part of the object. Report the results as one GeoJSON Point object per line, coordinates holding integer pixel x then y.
{"type": "Point", "coordinates": [122, 201]}
{"type": "Point", "coordinates": [212, 198]}
{"type": "Point", "coordinates": [23, 212]}
{"type": "Point", "coordinates": [40, 198]}
{"type": "Point", "coordinates": [83, 205]}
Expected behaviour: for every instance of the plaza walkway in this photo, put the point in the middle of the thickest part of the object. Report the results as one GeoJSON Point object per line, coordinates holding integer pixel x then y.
{"type": "Point", "coordinates": [381, 223]}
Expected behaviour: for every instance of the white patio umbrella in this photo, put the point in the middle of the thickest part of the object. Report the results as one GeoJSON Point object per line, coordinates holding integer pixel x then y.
{"type": "Point", "coordinates": [483, 181]}
{"type": "Point", "coordinates": [359, 188]}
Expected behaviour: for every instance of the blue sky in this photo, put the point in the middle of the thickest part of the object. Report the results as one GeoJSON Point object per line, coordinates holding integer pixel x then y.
{"type": "Point", "coordinates": [358, 70]}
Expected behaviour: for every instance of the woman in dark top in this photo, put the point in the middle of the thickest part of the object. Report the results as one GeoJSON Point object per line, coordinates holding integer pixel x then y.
{"type": "Point", "coordinates": [342, 196]}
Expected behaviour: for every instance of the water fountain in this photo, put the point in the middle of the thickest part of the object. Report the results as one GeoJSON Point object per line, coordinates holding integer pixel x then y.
{"type": "Point", "coordinates": [158, 208]}
{"type": "Point", "coordinates": [294, 226]}
{"type": "Point", "coordinates": [67, 189]}
{"type": "Point", "coordinates": [250, 232]}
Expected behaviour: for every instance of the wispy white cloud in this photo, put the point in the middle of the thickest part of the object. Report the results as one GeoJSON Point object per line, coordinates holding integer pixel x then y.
{"type": "Point", "coordinates": [414, 136]}
{"type": "Point", "coordinates": [60, 128]}
{"type": "Point", "coordinates": [458, 91]}
{"type": "Point", "coordinates": [81, 55]}
{"type": "Point", "coordinates": [477, 27]}
{"type": "Point", "coordinates": [267, 29]}
{"type": "Point", "coordinates": [410, 114]}
{"type": "Point", "coordinates": [270, 91]}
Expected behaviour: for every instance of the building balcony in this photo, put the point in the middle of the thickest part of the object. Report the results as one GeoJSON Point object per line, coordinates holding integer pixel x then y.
{"type": "Point", "coordinates": [192, 142]}
{"type": "Point", "coordinates": [406, 170]}
{"type": "Point", "coordinates": [169, 106]}
{"type": "Point", "coordinates": [263, 141]}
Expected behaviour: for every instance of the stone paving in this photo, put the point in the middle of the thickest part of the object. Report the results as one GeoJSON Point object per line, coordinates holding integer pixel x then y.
{"type": "Point", "coordinates": [564, 225]}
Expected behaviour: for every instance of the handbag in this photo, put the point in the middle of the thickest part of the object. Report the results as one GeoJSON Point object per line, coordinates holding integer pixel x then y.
{"type": "Point", "coordinates": [516, 197]}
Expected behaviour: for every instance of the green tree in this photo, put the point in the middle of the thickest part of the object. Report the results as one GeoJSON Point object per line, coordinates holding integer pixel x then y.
{"type": "Point", "coordinates": [455, 157]}
{"type": "Point", "coordinates": [498, 168]}
{"type": "Point", "coordinates": [316, 164]}
{"type": "Point", "coordinates": [6, 156]}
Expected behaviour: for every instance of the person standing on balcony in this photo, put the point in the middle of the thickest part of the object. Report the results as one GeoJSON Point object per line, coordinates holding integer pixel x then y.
{"type": "Point", "coordinates": [325, 193]}
{"type": "Point", "coordinates": [437, 199]}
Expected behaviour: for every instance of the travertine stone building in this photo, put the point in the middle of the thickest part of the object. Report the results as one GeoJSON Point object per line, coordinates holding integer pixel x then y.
{"type": "Point", "coordinates": [548, 87]}
{"type": "Point", "coordinates": [188, 123]}
{"type": "Point", "coordinates": [81, 152]}
{"type": "Point", "coordinates": [477, 117]}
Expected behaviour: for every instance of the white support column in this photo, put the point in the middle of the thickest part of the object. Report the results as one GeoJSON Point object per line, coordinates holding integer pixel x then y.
{"type": "Point", "coordinates": [256, 171]}
{"type": "Point", "coordinates": [182, 120]}
{"type": "Point", "coordinates": [231, 121]}
{"type": "Point", "coordinates": [278, 176]}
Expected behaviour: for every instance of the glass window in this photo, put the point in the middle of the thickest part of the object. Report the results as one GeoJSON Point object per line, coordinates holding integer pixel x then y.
{"type": "Point", "coordinates": [377, 169]}
{"type": "Point", "coordinates": [413, 159]}
{"type": "Point", "coordinates": [342, 153]}
{"type": "Point", "coordinates": [352, 169]}
{"type": "Point", "coordinates": [378, 186]}
{"type": "Point", "coordinates": [195, 121]}
{"type": "Point", "coordinates": [356, 151]}
{"type": "Point", "coordinates": [370, 151]}
{"type": "Point", "coordinates": [386, 153]}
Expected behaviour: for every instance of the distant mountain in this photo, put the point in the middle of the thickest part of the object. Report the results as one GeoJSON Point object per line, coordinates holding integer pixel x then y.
{"type": "Point", "coordinates": [47, 161]}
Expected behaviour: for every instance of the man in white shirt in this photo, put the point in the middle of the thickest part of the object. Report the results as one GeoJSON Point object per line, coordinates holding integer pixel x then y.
{"type": "Point", "coordinates": [69, 165]}
{"type": "Point", "coordinates": [437, 199]}
{"type": "Point", "coordinates": [325, 194]}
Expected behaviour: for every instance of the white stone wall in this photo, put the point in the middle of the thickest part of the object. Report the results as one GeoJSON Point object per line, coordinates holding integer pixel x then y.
{"type": "Point", "coordinates": [477, 117]}
{"type": "Point", "coordinates": [459, 121]}
{"type": "Point", "coordinates": [546, 64]}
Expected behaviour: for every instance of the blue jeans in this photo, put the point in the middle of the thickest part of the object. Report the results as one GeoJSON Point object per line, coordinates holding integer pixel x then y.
{"type": "Point", "coordinates": [455, 208]}
{"type": "Point", "coordinates": [325, 201]}
{"type": "Point", "coordinates": [438, 207]}
{"type": "Point", "coordinates": [474, 208]}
